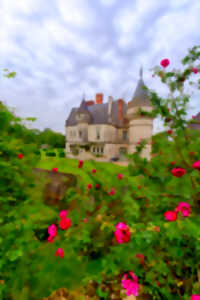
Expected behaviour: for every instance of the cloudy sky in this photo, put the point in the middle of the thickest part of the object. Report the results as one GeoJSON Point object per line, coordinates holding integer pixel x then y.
{"type": "Point", "coordinates": [61, 49]}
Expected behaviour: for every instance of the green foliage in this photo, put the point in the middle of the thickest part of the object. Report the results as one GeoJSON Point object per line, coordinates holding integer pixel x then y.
{"type": "Point", "coordinates": [50, 153]}
{"type": "Point", "coordinates": [28, 264]}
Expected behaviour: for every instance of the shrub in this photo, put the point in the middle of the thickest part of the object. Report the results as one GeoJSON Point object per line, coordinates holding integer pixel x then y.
{"type": "Point", "coordinates": [61, 154]}
{"type": "Point", "coordinates": [50, 154]}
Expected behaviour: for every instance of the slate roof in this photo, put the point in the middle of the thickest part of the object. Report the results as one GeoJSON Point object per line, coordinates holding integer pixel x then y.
{"type": "Point", "coordinates": [99, 113]}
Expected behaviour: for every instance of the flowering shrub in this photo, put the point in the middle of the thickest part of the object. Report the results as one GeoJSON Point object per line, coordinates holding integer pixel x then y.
{"type": "Point", "coordinates": [139, 233]}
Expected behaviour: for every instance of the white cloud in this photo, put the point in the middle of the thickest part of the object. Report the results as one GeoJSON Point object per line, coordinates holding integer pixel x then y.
{"type": "Point", "coordinates": [76, 13]}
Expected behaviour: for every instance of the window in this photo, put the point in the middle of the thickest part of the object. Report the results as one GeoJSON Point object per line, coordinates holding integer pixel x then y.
{"type": "Point", "coordinates": [80, 134]}
{"type": "Point", "coordinates": [101, 149]}
{"type": "Point", "coordinates": [98, 149]}
{"type": "Point", "coordinates": [124, 135]}
{"type": "Point", "coordinates": [93, 149]}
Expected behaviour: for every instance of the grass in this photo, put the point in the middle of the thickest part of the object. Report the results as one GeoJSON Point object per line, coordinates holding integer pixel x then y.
{"type": "Point", "coordinates": [69, 165]}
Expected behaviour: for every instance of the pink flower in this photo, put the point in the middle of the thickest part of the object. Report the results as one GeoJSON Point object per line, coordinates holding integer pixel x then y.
{"type": "Point", "coordinates": [195, 297]}
{"type": "Point", "coordinates": [122, 233]}
{"type": "Point", "coordinates": [85, 220]}
{"type": "Point", "coordinates": [178, 172]}
{"type": "Point", "coordinates": [165, 62]}
{"type": "Point", "coordinates": [20, 155]}
{"type": "Point", "coordinates": [131, 285]}
{"type": "Point", "coordinates": [52, 230]}
{"type": "Point", "coordinates": [184, 208]}
{"type": "Point", "coordinates": [60, 252]}
{"type": "Point", "coordinates": [196, 165]}
{"type": "Point", "coordinates": [120, 176]}
{"type": "Point", "coordinates": [55, 170]}
{"type": "Point", "coordinates": [170, 215]}
{"type": "Point", "coordinates": [65, 223]}
{"type": "Point", "coordinates": [63, 213]}
{"type": "Point", "coordinates": [194, 70]}
{"type": "Point", "coordinates": [89, 186]}
{"type": "Point", "coordinates": [94, 171]}
{"type": "Point", "coordinates": [112, 192]}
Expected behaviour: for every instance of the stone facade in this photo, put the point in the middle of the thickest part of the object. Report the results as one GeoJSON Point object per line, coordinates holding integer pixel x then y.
{"type": "Point", "coordinates": [100, 131]}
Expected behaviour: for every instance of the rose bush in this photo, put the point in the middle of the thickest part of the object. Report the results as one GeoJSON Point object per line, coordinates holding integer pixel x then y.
{"type": "Point", "coordinates": [157, 223]}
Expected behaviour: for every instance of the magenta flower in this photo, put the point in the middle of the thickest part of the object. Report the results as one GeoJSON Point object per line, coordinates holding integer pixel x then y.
{"type": "Point", "coordinates": [194, 70]}
{"type": "Point", "coordinates": [178, 172]}
{"type": "Point", "coordinates": [184, 208]}
{"type": "Point", "coordinates": [120, 176]}
{"type": "Point", "coordinates": [131, 285]}
{"type": "Point", "coordinates": [60, 252]}
{"type": "Point", "coordinates": [122, 233]}
{"type": "Point", "coordinates": [195, 297]}
{"type": "Point", "coordinates": [94, 171]}
{"type": "Point", "coordinates": [112, 192]}
{"type": "Point", "coordinates": [170, 215]}
{"type": "Point", "coordinates": [196, 165]}
{"type": "Point", "coordinates": [52, 230]}
{"type": "Point", "coordinates": [63, 213]}
{"type": "Point", "coordinates": [165, 62]}
{"type": "Point", "coordinates": [85, 220]}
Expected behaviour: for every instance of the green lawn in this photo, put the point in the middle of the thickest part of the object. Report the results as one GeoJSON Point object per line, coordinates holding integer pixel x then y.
{"type": "Point", "coordinates": [69, 165]}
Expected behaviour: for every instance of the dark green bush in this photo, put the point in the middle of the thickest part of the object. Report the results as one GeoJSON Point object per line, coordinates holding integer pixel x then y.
{"type": "Point", "coordinates": [61, 154]}
{"type": "Point", "coordinates": [50, 154]}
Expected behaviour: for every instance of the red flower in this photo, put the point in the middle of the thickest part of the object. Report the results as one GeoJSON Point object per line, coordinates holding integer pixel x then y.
{"type": "Point", "coordinates": [89, 186]}
{"type": "Point", "coordinates": [165, 62]}
{"type": "Point", "coordinates": [139, 187]}
{"type": "Point", "coordinates": [141, 258]}
{"type": "Point", "coordinates": [196, 165]}
{"type": "Point", "coordinates": [65, 223]}
{"type": "Point", "coordinates": [94, 171]}
{"type": "Point", "coordinates": [194, 70]}
{"type": "Point", "coordinates": [170, 131]}
{"type": "Point", "coordinates": [192, 153]}
{"type": "Point", "coordinates": [168, 109]}
{"type": "Point", "coordinates": [158, 283]}
{"type": "Point", "coordinates": [55, 170]}
{"type": "Point", "coordinates": [157, 228]}
{"type": "Point", "coordinates": [80, 163]}
{"type": "Point", "coordinates": [178, 172]}
{"type": "Point", "coordinates": [85, 220]}
{"type": "Point", "coordinates": [120, 176]}
{"type": "Point", "coordinates": [112, 192]}
{"type": "Point", "coordinates": [170, 215]}
{"type": "Point", "coordinates": [172, 163]}
{"type": "Point", "coordinates": [97, 186]}
{"type": "Point", "coordinates": [20, 155]}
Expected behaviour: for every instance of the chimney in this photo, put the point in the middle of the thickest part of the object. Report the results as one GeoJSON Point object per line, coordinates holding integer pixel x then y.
{"type": "Point", "coordinates": [90, 102]}
{"type": "Point", "coordinates": [99, 98]}
{"type": "Point", "coordinates": [110, 101]}
{"type": "Point", "coordinates": [120, 109]}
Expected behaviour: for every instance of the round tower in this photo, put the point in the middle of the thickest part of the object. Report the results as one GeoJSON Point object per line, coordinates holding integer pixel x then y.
{"type": "Point", "coordinates": [140, 127]}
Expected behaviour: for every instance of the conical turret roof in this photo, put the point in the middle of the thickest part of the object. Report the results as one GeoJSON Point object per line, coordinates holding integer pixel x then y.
{"type": "Point", "coordinates": [140, 97]}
